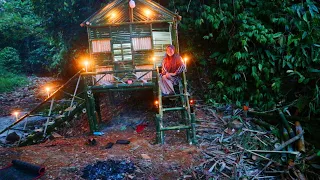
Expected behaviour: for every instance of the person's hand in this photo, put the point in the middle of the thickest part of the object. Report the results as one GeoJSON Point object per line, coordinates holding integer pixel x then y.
{"type": "Point", "coordinates": [168, 75]}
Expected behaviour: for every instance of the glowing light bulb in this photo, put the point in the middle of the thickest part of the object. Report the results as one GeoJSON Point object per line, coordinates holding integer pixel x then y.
{"type": "Point", "coordinates": [16, 114]}
{"type": "Point", "coordinates": [86, 63]}
{"type": "Point", "coordinates": [132, 4]}
{"type": "Point", "coordinates": [48, 91]}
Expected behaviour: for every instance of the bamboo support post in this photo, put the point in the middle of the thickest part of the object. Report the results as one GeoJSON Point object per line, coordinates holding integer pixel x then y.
{"type": "Point", "coordinates": [158, 128]}
{"type": "Point", "coordinates": [74, 93]}
{"type": "Point", "coordinates": [193, 128]}
{"type": "Point", "coordinates": [48, 118]}
{"type": "Point", "coordinates": [91, 111]}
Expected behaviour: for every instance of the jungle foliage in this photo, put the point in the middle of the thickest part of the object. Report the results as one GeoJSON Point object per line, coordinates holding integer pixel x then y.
{"type": "Point", "coordinates": [262, 53]}
{"type": "Point", "coordinates": [47, 34]}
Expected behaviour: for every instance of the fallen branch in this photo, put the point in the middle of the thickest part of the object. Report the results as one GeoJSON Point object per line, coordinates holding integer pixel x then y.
{"type": "Point", "coordinates": [249, 130]}
{"type": "Point", "coordinates": [253, 153]}
{"type": "Point", "coordinates": [269, 163]}
{"type": "Point", "coordinates": [287, 152]}
{"type": "Point", "coordinates": [261, 141]}
{"type": "Point", "coordinates": [217, 117]}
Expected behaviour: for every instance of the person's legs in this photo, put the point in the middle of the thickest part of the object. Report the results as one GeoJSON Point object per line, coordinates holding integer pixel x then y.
{"type": "Point", "coordinates": [166, 85]}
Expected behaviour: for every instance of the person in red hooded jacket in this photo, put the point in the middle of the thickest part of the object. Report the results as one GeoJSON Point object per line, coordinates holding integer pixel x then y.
{"type": "Point", "coordinates": [172, 67]}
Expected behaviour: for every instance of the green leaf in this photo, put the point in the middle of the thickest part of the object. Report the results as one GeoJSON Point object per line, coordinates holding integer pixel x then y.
{"type": "Point", "coordinates": [317, 45]}
{"type": "Point", "coordinates": [281, 40]}
{"type": "Point", "coordinates": [206, 37]}
{"type": "Point", "coordinates": [301, 79]}
{"type": "Point", "coordinates": [220, 84]}
{"type": "Point", "coordinates": [304, 34]}
{"type": "Point", "coordinates": [203, 62]}
{"type": "Point", "coordinates": [290, 71]}
{"type": "Point", "coordinates": [214, 55]}
{"type": "Point", "coordinates": [313, 70]}
{"type": "Point", "coordinates": [304, 52]}
{"type": "Point", "coordinates": [260, 67]}
{"type": "Point", "coordinates": [305, 18]}
{"type": "Point", "coordinates": [314, 8]}
{"type": "Point", "coordinates": [236, 76]}
{"type": "Point", "coordinates": [238, 103]}
{"type": "Point", "coordinates": [237, 55]}
{"type": "Point", "coordinates": [289, 40]}
{"type": "Point", "coordinates": [278, 34]}
{"type": "Point", "coordinates": [311, 12]}
{"type": "Point", "coordinates": [284, 63]}
{"type": "Point", "coordinates": [298, 12]}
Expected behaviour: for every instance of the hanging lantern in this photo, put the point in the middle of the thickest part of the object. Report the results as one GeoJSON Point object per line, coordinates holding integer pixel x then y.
{"type": "Point", "coordinates": [132, 4]}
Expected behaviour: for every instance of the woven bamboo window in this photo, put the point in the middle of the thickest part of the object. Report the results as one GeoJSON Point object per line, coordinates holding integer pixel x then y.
{"type": "Point", "coordinates": [143, 43]}
{"type": "Point", "coordinates": [101, 45]}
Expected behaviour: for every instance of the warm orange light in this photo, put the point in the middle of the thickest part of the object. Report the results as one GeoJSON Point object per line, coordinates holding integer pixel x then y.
{"type": "Point", "coordinates": [191, 102]}
{"type": "Point", "coordinates": [113, 15]}
{"type": "Point", "coordinates": [185, 59]}
{"type": "Point", "coordinates": [48, 91]}
{"type": "Point", "coordinates": [16, 113]}
{"type": "Point", "coordinates": [86, 63]}
{"type": "Point", "coordinates": [148, 12]}
{"type": "Point", "coordinates": [156, 102]}
{"type": "Point", "coordinates": [153, 58]}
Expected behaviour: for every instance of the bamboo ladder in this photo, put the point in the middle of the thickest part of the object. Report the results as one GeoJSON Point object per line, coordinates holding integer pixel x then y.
{"type": "Point", "coordinates": [52, 120]}
{"type": "Point", "coordinates": [187, 115]}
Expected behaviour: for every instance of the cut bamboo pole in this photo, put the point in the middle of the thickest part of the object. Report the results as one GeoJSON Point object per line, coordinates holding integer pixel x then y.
{"type": "Point", "coordinates": [286, 124]}
{"type": "Point", "coordinates": [300, 145]}
{"type": "Point", "coordinates": [287, 152]}
{"type": "Point", "coordinates": [289, 142]}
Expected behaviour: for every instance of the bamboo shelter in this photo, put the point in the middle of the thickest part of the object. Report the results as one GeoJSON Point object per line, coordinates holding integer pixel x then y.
{"type": "Point", "coordinates": [129, 35]}
{"type": "Point", "coordinates": [127, 42]}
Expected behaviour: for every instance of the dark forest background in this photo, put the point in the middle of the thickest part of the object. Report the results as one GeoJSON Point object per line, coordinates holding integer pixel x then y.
{"type": "Point", "coordinates": [259, 53]}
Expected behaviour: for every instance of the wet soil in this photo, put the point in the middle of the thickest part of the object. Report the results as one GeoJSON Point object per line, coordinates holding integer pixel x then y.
{"type": "Point", "coordinates": [65, 157]}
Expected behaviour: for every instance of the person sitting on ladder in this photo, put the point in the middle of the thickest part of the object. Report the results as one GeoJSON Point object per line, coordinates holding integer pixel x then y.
{"type": "Point", "coordinates": [172, 66]}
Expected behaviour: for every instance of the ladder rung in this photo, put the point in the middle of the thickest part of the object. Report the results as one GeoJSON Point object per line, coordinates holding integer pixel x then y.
{"type": "Point", "coordinates": [173, 109]}
{"type": "Point", "coordinates": [174, 95]}
{"type": "Point", "coordinates": [175, 128]}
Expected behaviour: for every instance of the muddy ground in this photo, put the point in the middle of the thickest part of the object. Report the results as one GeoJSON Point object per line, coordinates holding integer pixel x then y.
{"type": "Point", "coordinates": [223, 151]}
{"type": "Point", "coordinates": [65, 157]}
